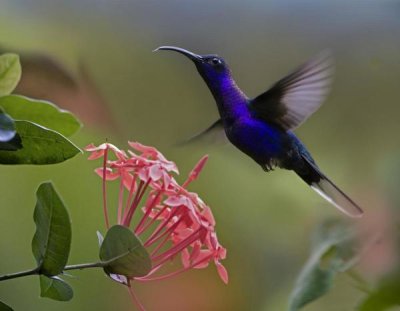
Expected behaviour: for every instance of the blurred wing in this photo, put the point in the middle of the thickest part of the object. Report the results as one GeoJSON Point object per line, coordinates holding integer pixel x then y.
{"type": "Point", "coordinates": [215, 132]}
{"type": "Point", "coordinates": [293, 99]}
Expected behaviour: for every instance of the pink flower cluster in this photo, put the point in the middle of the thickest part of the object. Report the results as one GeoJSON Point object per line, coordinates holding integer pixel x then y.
{"type": "Point", "coordinates": [173, 221]}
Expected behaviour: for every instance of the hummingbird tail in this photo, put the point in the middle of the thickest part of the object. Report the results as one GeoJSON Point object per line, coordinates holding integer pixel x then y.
{"type": "Point", "coordinates": [329, 191]}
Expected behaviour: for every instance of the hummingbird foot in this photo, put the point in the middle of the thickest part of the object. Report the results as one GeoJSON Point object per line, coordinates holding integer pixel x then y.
{"type": "Point", "coordinates": [267, 167]}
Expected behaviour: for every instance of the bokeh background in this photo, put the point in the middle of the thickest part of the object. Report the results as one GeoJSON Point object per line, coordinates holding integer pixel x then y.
{"type": "Point", "coordinates": [101, 67]}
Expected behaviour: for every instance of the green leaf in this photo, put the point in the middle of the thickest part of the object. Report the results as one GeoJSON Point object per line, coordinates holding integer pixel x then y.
{"type": "Point", "coordinates": [384, 297]}
{"type": "Point", "coordinates": [40, 112]}
{"type": "Point", "coordinates": [52, 240]}
{"type": "Point", "coordinates": [40, 146]}
{"type": "Point", "coordinates": [4, 307]}
{"type": "Point", "coordinates": [124, 254]}
{"type": "Point", "coordinates": [10, 73]}
{"type": "Point", "coordinates": [333, 252]}
{"type": "Point", "coordinates": [55, 288]}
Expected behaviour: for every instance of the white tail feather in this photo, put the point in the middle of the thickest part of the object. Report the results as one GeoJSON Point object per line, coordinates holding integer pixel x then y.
{"type": "Point", "coordinates": [330, 192]}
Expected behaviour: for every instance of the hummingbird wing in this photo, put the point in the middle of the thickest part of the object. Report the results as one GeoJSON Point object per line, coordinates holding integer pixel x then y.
{"type": "Point", "coordinates": [291, 100]}
{"type": "Point", "coordinates": [328, 190]}
{"type": "Point", "coordinates": [213, 133]}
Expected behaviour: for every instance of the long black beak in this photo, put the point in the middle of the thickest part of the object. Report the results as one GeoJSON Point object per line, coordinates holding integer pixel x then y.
{"type": "Point", "coordinates": [194, 57]}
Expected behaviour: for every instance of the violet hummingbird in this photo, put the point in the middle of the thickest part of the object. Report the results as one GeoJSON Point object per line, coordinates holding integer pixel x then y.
{"type": "Point", "coordinates": [261, 127]}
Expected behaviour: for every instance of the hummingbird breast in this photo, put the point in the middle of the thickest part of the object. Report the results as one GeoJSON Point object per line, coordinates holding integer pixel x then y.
{"type": "Point", "coordinates": [266, 144]}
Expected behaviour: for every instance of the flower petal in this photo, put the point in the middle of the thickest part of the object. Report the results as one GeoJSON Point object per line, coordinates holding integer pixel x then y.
{"type": "Point", "coordinates": [185, 258]}
{"type": "Point", "coordinates": [203, 254]}
{"type": "Point", "coordinates": [110, 175]}
{"type": "Point", "coordinates": [156, 172]}
{"type": "Point", "coordinates": [223, 273]}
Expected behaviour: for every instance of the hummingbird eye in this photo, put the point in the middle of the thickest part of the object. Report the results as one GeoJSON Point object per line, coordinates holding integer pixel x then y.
{"type": "Point", "coordinates": [216, 61]}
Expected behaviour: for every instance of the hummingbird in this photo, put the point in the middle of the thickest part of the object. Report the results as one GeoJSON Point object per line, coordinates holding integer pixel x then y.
{"type": "Point", "coordinates": [262, 127]}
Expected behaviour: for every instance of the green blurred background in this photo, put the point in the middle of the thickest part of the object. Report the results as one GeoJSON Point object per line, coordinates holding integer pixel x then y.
{"type": "Point", "coordinates": [264, 220]}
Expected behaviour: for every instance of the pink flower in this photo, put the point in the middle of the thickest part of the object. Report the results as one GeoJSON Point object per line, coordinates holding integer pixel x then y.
{"type": "Point", "coordinates": [174, 222]}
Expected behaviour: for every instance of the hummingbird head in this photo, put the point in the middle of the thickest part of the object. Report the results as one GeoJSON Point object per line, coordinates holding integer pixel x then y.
{"type": "Point", "coordinates": [212, 68]}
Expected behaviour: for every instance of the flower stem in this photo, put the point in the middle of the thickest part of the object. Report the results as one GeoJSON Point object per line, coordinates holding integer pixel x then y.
{"type": "Point", "coordinates": [120, 200]}
{"type": "Point", "coordinates": [19, 274]}
{"type": "Point", "coordinates": [149, 209]}
{"type": "Point", "coordinates": [175, 273]}
{"type": "Point", "coordinates": [104, 189]}
{"type": "Point", "coordinates": [135, 300]}
{"type": "Point", "coordinates": [84, 266]}
{"type": "Point", "coordinates": [37, 271]}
